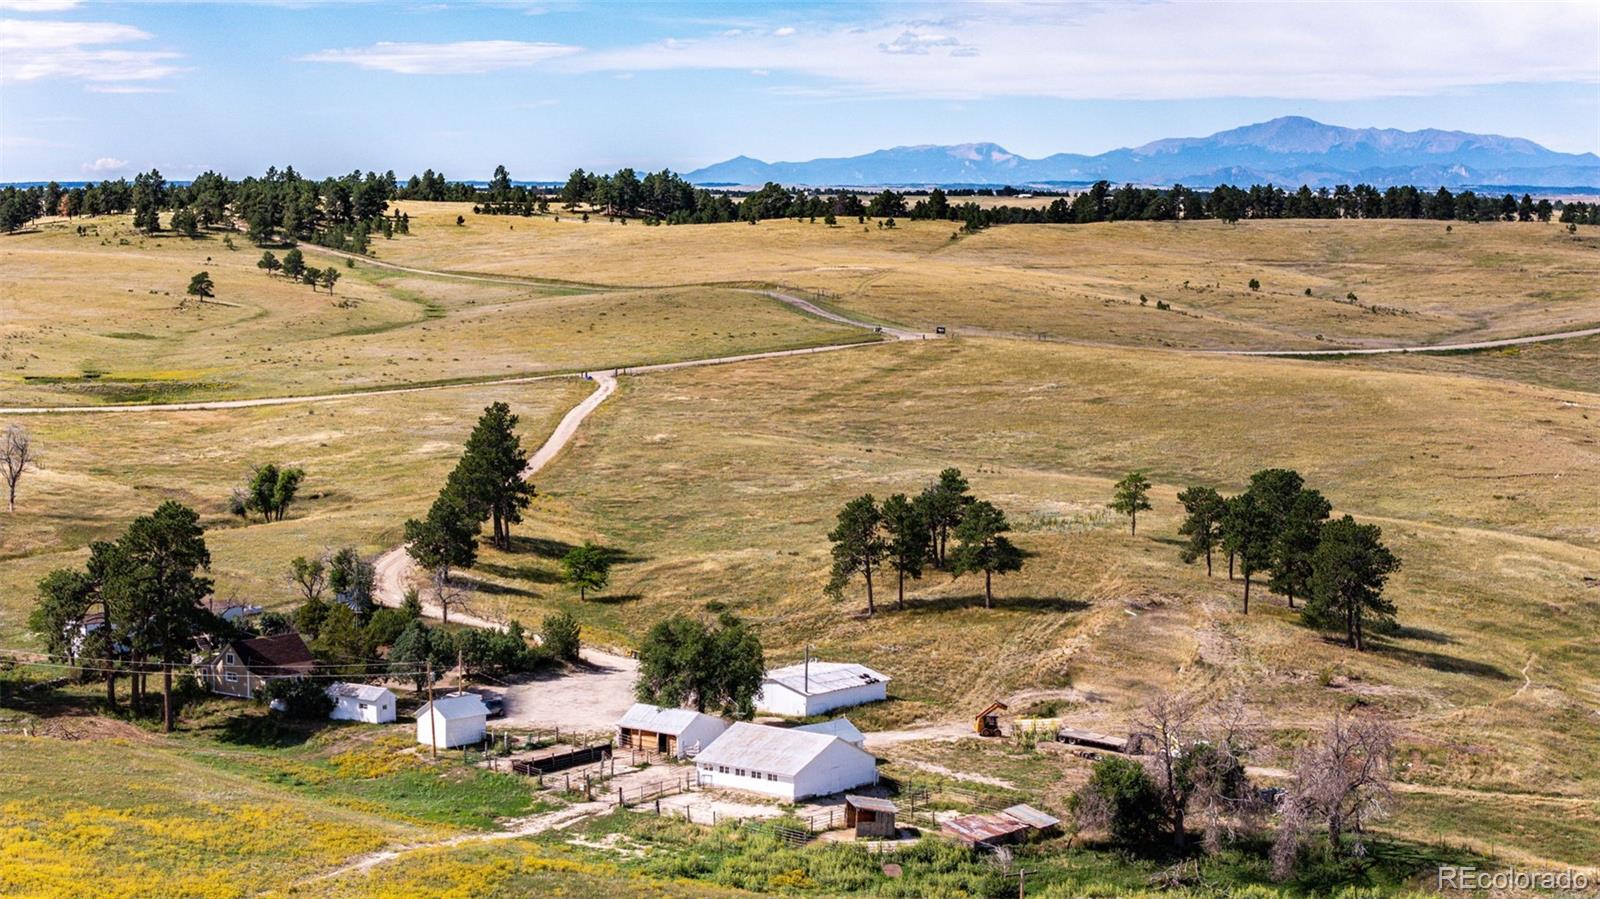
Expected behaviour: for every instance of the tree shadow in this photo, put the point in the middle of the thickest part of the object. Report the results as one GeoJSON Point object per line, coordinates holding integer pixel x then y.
{"type": "Point", "coordinates": [519, 572]}
{"type": "Point", "coordinates": [1424, 635]}
{"type": "Point", "coordinates": [938, 604]}
{"type": "Point", "coordinates": [614, 599]}
{"type": "Point", "coordinates": [262, 731]}
{"type": "Point", "coordinates": [487, 588]}
{"type": "Point", "coordinates": [546, 548]}
{"type": "Point", "coordinates": [1439, 661]}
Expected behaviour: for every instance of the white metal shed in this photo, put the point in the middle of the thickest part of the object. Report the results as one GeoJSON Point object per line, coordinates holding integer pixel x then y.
{"type": "Point", "coordinates": [841, 728]}
{"type": "Point", "coordinates": [458, 719]}
{"type": "Point", "coordinates": [361, 702]}
{"type": "Point", "coordinates": [811, 688]}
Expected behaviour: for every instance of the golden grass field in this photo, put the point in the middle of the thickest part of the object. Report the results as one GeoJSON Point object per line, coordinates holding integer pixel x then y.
{"type": "Point", "coordinates": [1415, 283]}
{"type": "Point", "coordinates": [86, 322]}
{"type": "Point", "coordinates": [720, 483]}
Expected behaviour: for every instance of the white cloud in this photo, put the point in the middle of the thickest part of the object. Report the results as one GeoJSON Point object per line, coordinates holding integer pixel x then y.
{"type": "Point", "coordinates": [37, 5]}
{"type": "Point", "coordinates": [1162, 50]}
{"type": "Point", "coordinates": [31, 50]}
{"type": "Point", "coordinates": [760, 73]}
{"type": "Point", "coordinates": [106, 165]}
{"type": "Point", "coordinates": [125, 89]}
{"type": "Point", "coordinates": [456, 58]}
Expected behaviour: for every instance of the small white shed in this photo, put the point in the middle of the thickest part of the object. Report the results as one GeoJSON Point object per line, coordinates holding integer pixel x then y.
{"type": "Point", "coordinates": [841, 728]}
{"type": "Point", "coordinates": [361, 702]}
{"type": "Point", "coordinates": [811, 688]}
{"type": "Point", "coordinates": [680, 733]}
{"type": "Point", "coordinates": [459, 719]}
{"type": "Point", "coordinates": [788, 763]}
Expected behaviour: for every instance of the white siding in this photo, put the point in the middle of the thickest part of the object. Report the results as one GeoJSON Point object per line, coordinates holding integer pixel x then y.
{"type": "Point", "coordinates": [457, 732]}
{"type": "Point", "coordinates": [354, 708]}
{"type": "Point", "coordinates": [777, 699]}
{"type": "Point", "coordinates": [835, 769]}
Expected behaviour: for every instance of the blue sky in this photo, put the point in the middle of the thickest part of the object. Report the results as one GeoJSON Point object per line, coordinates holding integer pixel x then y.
{"type": "Point", "coordinates": [92, 89]}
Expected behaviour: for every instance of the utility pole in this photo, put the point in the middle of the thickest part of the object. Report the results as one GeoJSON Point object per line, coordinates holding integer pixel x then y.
{"type": "Point", "coordinates": [458, 671]}
{"type": "Point", "coordinates": [433, 734]}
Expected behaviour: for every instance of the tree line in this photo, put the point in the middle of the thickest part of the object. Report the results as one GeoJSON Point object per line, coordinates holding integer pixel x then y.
{"type": "Point", "coordinates": [910, 535]}
{"type": "Point", "coordinates": [344, 210]}
{"type": "Point", "coordinates": [1280, 528]}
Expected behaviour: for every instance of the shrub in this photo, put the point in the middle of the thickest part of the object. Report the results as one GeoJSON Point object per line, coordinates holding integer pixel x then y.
{"type": "Point", "coordinates": [302, 697]}
{"type": "Point", "coordinates": [559, 635]}
{"type": "Point", "coordinates": [1121, 799]}
{"type": "Point", "coordinates": [1255, 284]}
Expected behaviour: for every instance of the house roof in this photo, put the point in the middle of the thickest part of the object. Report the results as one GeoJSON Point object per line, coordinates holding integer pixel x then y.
{"type": "Point", "coordinates": [825, 677]}
{"type": "Point", "coordinates": [767, 749]}
{"type": "Point", "coordinates": [362, 692]}
{"type": "Point", "coordinates": [871, 804]}
{"type": "Point", "coordinates": [838, 727]}
{"type": "Point", "coordinates": [656, 719]}
{"type": "Point", "coordinates": [279, 654]}
{"type": "Point", "coordinates": [456, 706]}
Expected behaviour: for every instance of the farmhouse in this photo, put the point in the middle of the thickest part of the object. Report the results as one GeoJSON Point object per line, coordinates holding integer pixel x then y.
{"type": "Point", "coordinates": [838, 727]}
{"type": "Point", "coordinates": [242, 667]}
{"type": "Point", "coordinates": [784, 762]}
{"type": "Point", "coordinates": [811, 688]}
{"type": "Point", "coordinates": [455, 720]}
{"type": "Point", "coordinates": [680, 733]}
{"type": "Point", "coordinates": [361, 702]}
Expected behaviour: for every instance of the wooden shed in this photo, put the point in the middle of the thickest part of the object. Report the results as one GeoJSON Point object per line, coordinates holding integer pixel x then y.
{"type": "Point", "coordinates": [870, 816]}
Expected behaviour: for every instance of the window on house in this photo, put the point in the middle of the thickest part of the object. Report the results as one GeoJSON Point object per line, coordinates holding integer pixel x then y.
{"type": "Point", "coordinates": [363, 706]}
{"type": "Point", "coordinates": [772, 777]}
{"type": "Point", "coordinates": [739, 771]}
{"type": "Point", "coordinates": [231, 678]}
{"type": "Point", "coordinates": [722, 769]}
{"type": "Point", "coordinates": [232, 660]}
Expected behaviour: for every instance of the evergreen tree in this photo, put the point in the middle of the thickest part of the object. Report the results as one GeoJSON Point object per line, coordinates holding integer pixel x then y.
{"type": "Point", "coordinates": [908, 543]}
{"type": "Point", "coordinates": [1130, 497]}
{"type": "Point", "coordinates": [1202, 524]}
{"type": "Point", "coordinates": [1348, 572]}
{"type": "Point", "coordinates": [983, 546]}
{"type": "Point", "coordinates": [858, 545]}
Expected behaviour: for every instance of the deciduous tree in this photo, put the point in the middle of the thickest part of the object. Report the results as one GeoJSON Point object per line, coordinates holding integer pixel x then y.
{"type": "Point", "coordinates": [17, 457]}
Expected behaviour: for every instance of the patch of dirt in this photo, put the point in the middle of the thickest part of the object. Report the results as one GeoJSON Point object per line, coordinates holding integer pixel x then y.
{"type": "Point", "coordinates": [87, 727]}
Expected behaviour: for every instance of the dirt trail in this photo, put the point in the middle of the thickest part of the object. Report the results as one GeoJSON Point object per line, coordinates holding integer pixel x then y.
{"type": "Point", "coordinates": [555, 820]}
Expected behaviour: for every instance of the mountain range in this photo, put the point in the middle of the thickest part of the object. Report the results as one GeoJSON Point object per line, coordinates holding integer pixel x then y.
{"type": "Point", "coordinates": [1291, 150]}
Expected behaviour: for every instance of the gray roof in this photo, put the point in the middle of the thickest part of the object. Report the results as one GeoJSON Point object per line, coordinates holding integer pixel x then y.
{"type": "Point", "coordinates": [363, 692]}
{"type": "Point", "coordinates": [456, 706]}
{"type": "Point", "coordinates": [871, 803]}
{"type": "Point", "coordinates": [825, 677]}
{"type": "Point", "coordinates": [767, 749]}
{"type": "Point", "coordinates": [838, 727]}
{"type": "Point", "coordinates": [656, 719]}
{"type": "Point", "coordinates": [1032, 817]}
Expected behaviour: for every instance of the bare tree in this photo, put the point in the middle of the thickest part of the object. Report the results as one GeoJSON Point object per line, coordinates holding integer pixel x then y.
{"type": "Point", "coordinates": [448, 594]}
{"type": "Point", "coordinates": [1341, 781]}
{"type": "Point", "coordinates": [16, 456]}
{"type": "Point", "coordinates": [1197, 765]}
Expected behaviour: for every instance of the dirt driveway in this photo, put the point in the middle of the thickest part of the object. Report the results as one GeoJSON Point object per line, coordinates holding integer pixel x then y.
{"type": "Point", "coordinates": [585, 699]}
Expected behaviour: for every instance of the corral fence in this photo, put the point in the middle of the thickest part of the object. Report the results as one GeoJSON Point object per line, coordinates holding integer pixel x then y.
{"type": "Point", "coordinates": [794, 836]}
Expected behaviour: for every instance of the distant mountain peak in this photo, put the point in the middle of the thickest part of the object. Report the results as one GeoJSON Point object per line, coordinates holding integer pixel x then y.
{"type": "Point", "coordinates": [1288, 149]}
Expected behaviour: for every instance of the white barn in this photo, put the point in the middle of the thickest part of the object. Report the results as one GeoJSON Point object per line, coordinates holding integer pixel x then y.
{"type": "Point", "coordinates": [459, 719]}
{"type": "Point", "coordinates": [361, 702]}
{"type": "Point", "coordinates": [680, 733]}
{"type": "Point", "coordinates": [811, 688]}
{"type": "Point", "coordinates": [841, 728]}
{"type": "Point", "coordinates": [786, 763]}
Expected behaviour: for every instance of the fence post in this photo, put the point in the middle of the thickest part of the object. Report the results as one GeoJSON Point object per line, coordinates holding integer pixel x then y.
{"type": "Point", "coordinates": [619, 797]}
{"type": "Point", "coordinates": [658, 806]}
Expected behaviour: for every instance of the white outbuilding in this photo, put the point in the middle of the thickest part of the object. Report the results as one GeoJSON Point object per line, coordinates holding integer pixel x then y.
{"type": "Point", "coordinates": [459, 719]}
{"type": "Point", "coordinates": [680, 733]}
{"type": "Point", "coordinates": [361, 702]}
{"type": "Point", "coordinates": [787, 763]}
{"type": "Point", "coordinates": [841, 728]}
{"type": "Point", "coordinates": [812, 687]}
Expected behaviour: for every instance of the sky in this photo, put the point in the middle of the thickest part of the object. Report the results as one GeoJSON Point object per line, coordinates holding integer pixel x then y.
{"type": "Point", "coordinates": [90, 90]}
